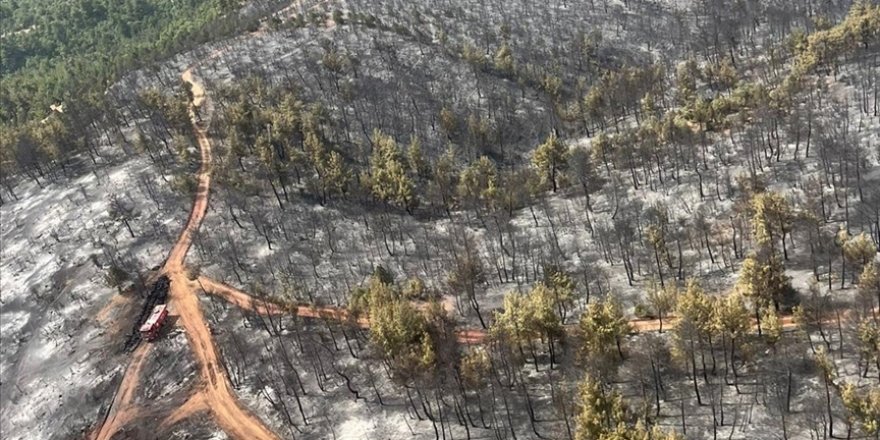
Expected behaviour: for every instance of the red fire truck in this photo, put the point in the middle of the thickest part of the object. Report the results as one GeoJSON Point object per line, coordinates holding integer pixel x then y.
{"type": "Point", "coordinates": [151, 327]}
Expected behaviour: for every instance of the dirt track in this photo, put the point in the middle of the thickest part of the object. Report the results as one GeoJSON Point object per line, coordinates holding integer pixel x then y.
{"type": "Point", "coordinates": [214, 392]}
{"type": "Point", "coordinates": [122, 409]}
{"type": "Point", "coordinates": [215, 386]}
{"type": "Point", "coordinates": [472, 336]}
{"type": "Point", "coordinates": [243, 300]}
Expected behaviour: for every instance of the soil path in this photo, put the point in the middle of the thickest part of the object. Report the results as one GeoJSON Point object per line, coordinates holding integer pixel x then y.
{"type": "Point", "coordinates": [195, 404]}
{"type": "Point", "coordinates": [245, 301]}
{"type": "Point", "coordinates": [123, 409]}
{"type": "Point", "coordinates": [176, 258]}
{"type": "Point", "coordinates": [215, 385]}
{"type": "Point", "coordinates": [214, 391]}
{"type": "Point", "coordinates": [471, 336]}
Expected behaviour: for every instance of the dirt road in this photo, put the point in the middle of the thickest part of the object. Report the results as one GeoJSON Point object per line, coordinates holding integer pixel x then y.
{"type": "Point", "coordinates": [177, 255]}
{"type": "Point", "coordinates": [215, 385]}
{"type": "Point", "coordinates": [472, 336]}
{"type": "Point", "coordinates": [123, 409]}
{"type": "Point", "coordinates": [214, 391]}
{"type": "Point", "coordinates": [245, 301]}
{"type": "Point", "coordinates": [195, 404]}
{"type": "Point", "coordinates": [238, 298]}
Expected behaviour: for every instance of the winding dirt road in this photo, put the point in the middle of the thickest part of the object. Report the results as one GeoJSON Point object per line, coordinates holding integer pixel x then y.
{"type": "Point", "coordinates": [244, 300]}
{"type": "Point", "coordinates": [470, 336]}
{"type": "Point", "coordinates": [214, 390]}
{"type": "Point", "coordinates": [215, 386]}
{"type": "Point", "coordinates": [123, 408]}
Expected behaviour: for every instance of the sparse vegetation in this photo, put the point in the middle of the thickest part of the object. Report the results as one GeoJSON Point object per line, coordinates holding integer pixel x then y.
{"type": "Point", "coordinates": [611, 220]}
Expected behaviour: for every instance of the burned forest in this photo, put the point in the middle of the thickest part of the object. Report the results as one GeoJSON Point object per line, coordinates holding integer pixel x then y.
{"type": "Point", "coordinates": [458, 219]}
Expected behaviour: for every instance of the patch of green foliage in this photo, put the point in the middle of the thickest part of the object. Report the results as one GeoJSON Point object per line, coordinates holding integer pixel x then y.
{"type": "Point", "coordinates": [60, 51]}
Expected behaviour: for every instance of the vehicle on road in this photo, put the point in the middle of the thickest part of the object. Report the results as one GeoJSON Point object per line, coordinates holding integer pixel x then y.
{"type": "Point", "coordinates": [150, 328]}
